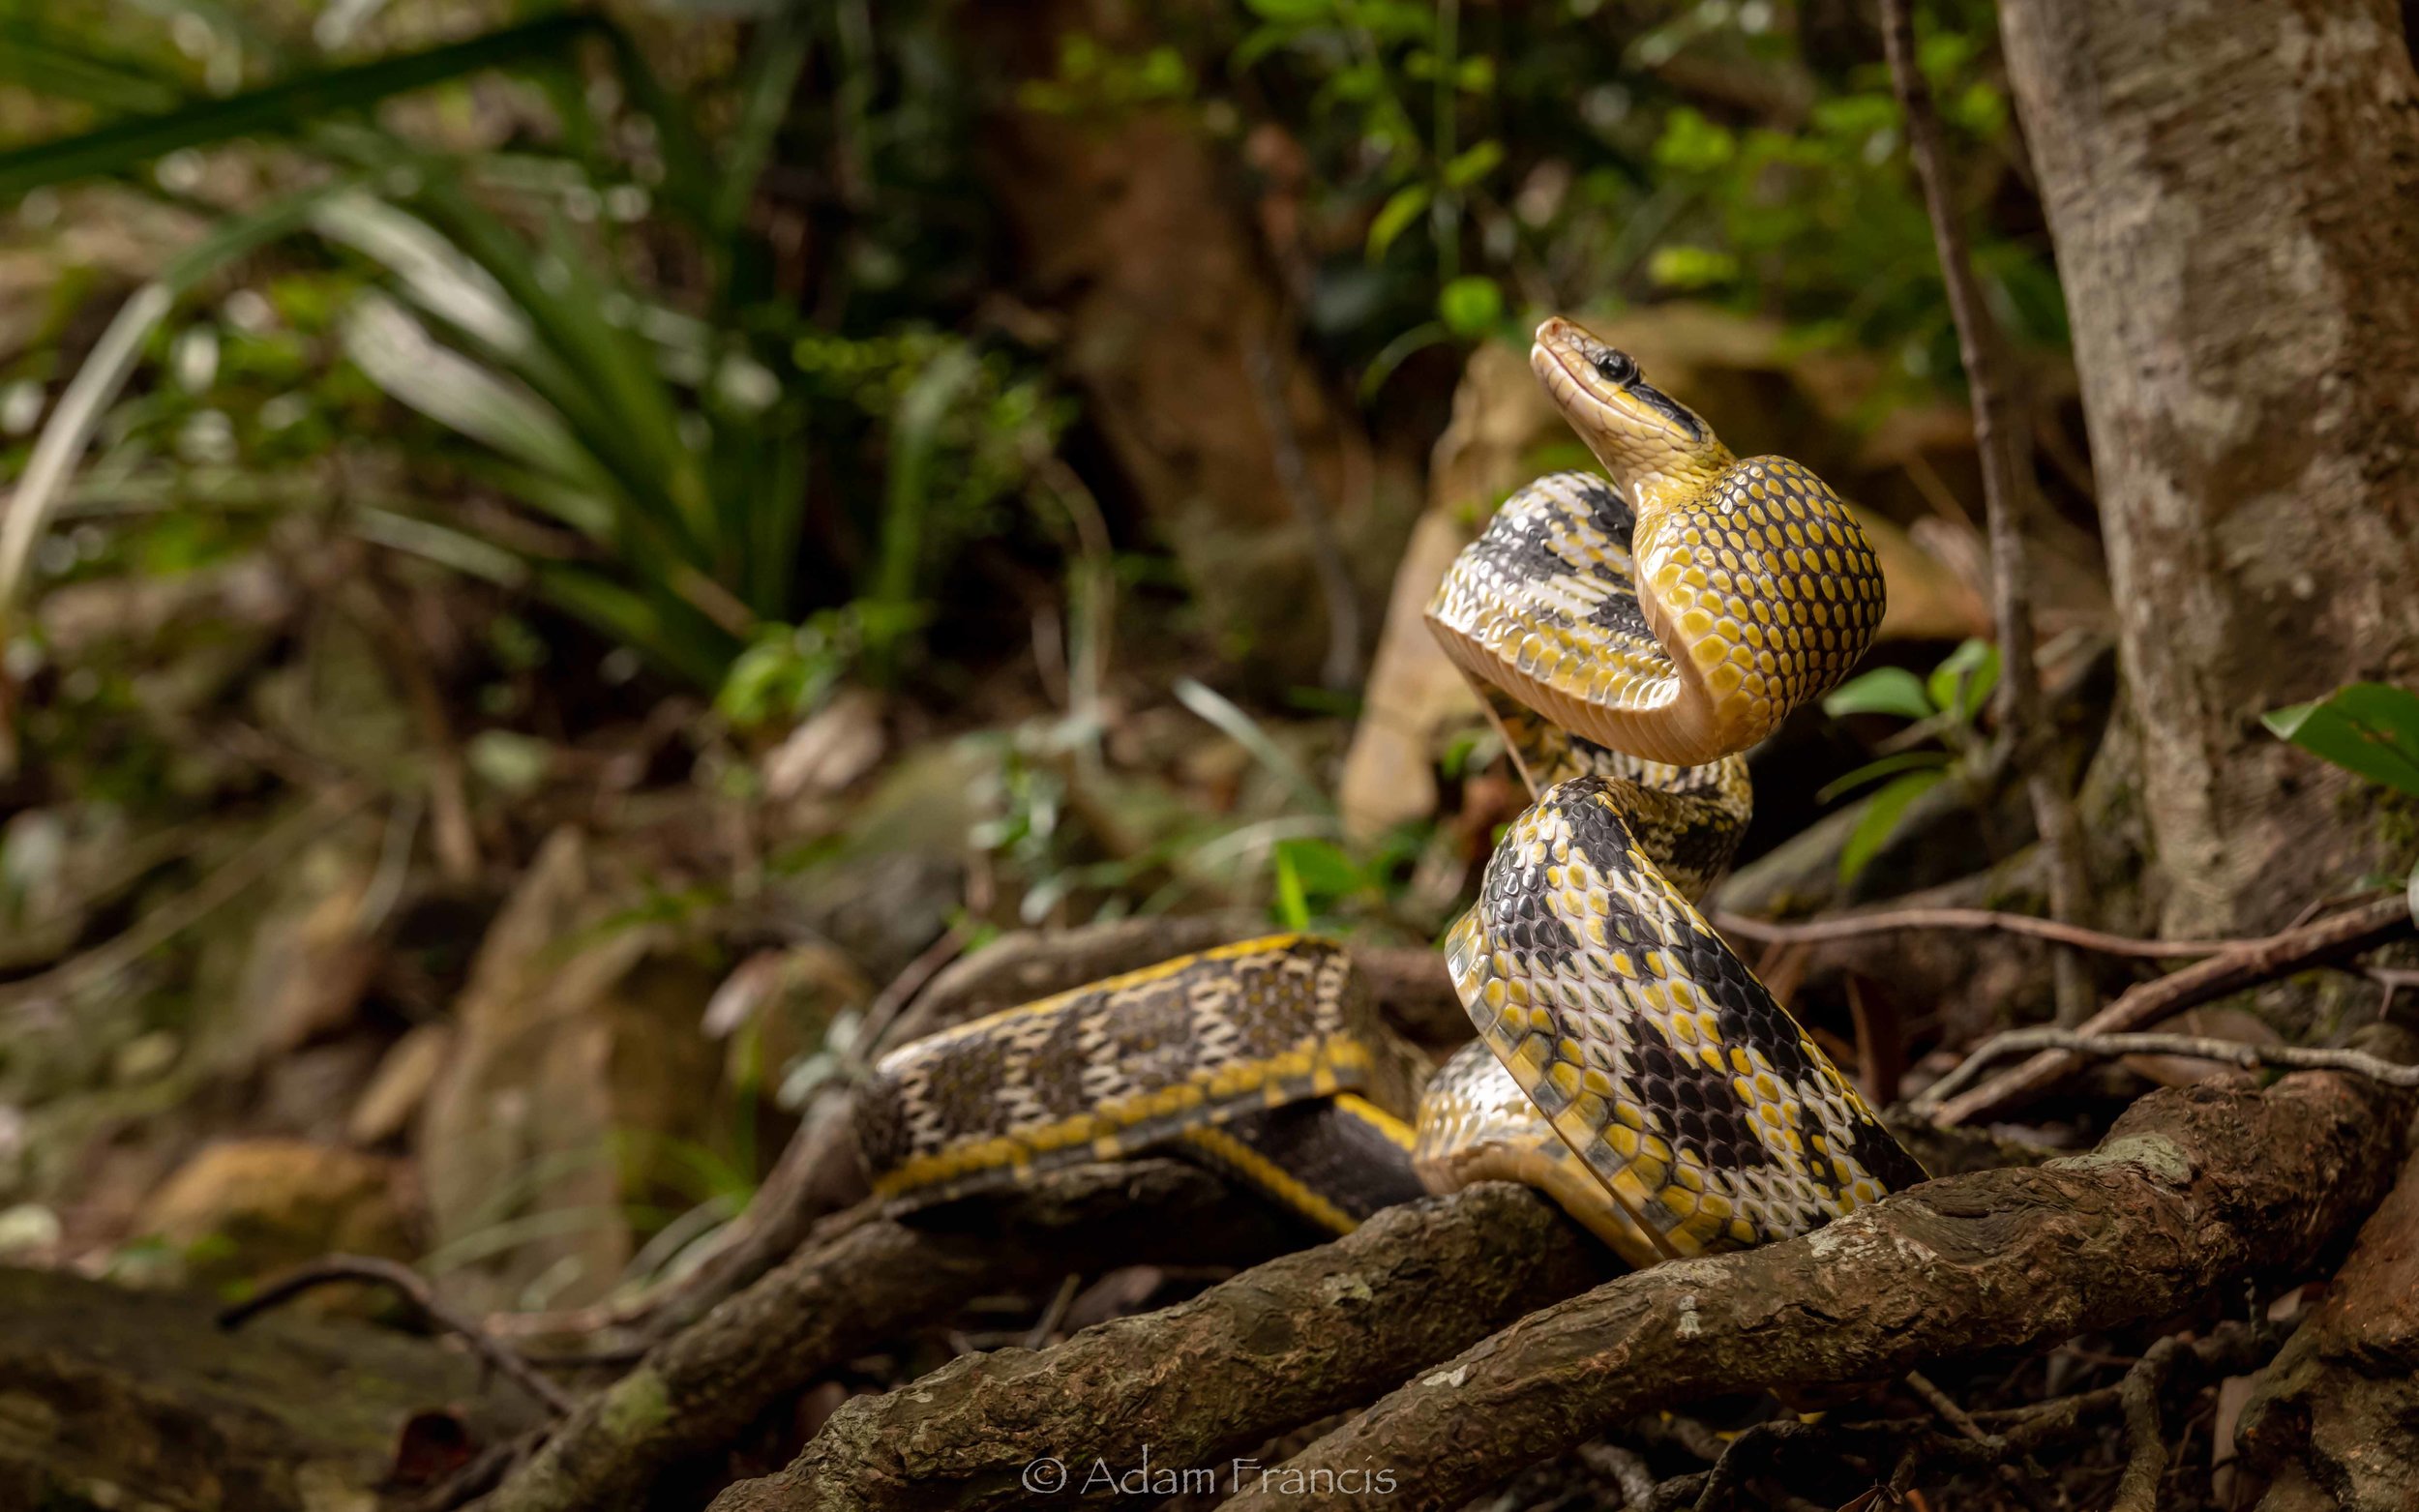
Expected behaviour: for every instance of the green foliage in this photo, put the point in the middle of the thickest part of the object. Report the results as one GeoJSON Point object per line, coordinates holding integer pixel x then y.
{"type": "Point", "coordinates": [669, 446]}
{"type": "Point", "coordinates": [1943, 706]}
{"type": "Point", "coordinates": [1568, 158]}
{"type": "Point", "coordinates": [2370, 729]}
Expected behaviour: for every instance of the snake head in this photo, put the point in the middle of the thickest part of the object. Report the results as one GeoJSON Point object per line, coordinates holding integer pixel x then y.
{"type": "Point", "coordinates": [1653, 445]}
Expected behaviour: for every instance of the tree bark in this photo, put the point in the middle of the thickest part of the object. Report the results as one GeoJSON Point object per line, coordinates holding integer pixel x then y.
{"type": "Point", "coordinates": [2230, 191]}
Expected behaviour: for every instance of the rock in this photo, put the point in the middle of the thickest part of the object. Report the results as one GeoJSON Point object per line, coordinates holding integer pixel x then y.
{"type": "Point", "coordinates": [579, 1026]}
{"type": "Point", "coordinates": [247, 1207]}
{"type": "Point", "coordinates": [119, 1399]}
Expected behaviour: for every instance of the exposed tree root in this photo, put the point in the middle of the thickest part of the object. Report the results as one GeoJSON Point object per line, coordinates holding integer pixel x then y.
{"type": "Point", "coordinates": [2335, 1422]}
{"type": "Point", "coordinates": [2191, 1187]}
{"type": "Point", "coordinates": [1276, 1347]}
{"type": "Point", "coordinates": [869, 1279]}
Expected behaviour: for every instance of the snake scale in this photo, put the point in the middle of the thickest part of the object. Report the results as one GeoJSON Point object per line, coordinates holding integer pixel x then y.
{"type": "Point", "coordinates": [1631, 635]}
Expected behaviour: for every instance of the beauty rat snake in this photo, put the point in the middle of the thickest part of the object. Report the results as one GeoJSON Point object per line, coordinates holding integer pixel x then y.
{"type": "Point", "coordinates": [1630, 640]}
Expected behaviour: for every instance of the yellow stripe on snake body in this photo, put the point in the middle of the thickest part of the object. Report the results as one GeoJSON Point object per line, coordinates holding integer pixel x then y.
{"type": "Point", "coordinates": [1630, 637]}
{"type": "Point", "coordinates": [1109, 1069]}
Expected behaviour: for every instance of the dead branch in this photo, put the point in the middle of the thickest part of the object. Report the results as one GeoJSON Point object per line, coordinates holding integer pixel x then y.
{"type": "Point", "coordinates": [330, 1269]}
{"type": "Point", "coordinates": [2011, 497]}
{"type": "Point", "coordinates": [1279, 1345]}
{"type": "Point", "coordinates": [2192, 1186]}
{"type": "Point", "coordinates": [1855, 926]}
{"type": "Point", "coordinates": [2146, 1441]}
{"type": "Point", "coordinates": [2350, 932]}
{"type": "Point", "coordinates": [2196, 1047]}
{"type": "Point", "coordinates": [869, 1279]}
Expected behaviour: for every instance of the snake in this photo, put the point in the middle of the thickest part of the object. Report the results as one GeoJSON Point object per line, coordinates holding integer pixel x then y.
{"type": "Point", "coordinates": [1631, 634]}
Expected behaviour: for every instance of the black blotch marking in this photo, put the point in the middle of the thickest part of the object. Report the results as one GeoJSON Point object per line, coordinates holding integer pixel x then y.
{"type": "Point", "coordinates": [1670, 408]}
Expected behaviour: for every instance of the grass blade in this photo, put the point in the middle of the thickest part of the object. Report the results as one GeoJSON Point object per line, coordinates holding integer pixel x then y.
{"type": "Point", "coordinates": [281, 108]}
{"type": "Point", "coordinates": [104, 374]}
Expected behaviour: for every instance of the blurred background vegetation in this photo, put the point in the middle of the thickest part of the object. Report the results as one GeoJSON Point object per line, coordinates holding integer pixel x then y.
{"type": "Point", "coordinates": [552, 556]}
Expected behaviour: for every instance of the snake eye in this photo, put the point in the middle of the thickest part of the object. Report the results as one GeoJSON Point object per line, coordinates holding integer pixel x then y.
{"type": "Point", "coordinates": [1617, 368]}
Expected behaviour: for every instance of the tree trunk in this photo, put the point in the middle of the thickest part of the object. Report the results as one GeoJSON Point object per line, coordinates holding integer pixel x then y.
{"type": "Point", "coordinates": [2229, 188]}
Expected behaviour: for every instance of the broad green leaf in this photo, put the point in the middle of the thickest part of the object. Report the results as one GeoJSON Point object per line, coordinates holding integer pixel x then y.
{"type": "Point", "coordinates": [1395, 216]}
{"type": "Point", "coordinates": [1886, 766]}
{"type": "Point", "coordinates": [1471, 304]}
{"type": "Point", "coordinates": [1884, 690]}
{"type": "Point", "coordinates": [2368, 729]}
{"type": "Point", "coordinates": [1323, 868]}
{"type": "Point", "coordinates": [1962, 683]}
{"type": "Point", "coordinates": [1880, 819]}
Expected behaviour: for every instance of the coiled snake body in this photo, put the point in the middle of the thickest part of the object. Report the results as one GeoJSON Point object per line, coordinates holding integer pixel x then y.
{"type": "Point", "coordinates": [1630, 639]}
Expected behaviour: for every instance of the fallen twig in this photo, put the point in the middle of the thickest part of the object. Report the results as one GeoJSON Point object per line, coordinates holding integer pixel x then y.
{"type": "Point", "coordinates": [415, 1288]}
{"type": "Point", "coordinates": [2146, 1443]}
{"type": "Point", "coordinates": [2192, 1186]}
{"type": "Point", "coordinates": [2196, 1046]}
{"type": "Point", "coordinates": [2350, 932]}
{"type": "Point", "coordinates": [1855, 926]}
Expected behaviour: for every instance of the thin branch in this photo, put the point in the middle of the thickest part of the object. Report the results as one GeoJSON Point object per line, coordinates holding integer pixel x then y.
{"type": "Point", "coordinates": [1855, 926]}
{"type": "Point", "coordinates": [416, 1289]}
{"type": "Point", "coordinates": [1943, 1404]}
{"type": "Point", "coordinates": [2009, 499]}
{"type": "Point", "coordinates": [2196, 1047]}
{"type": "Point", "coordinates": [2147, 1444]}
{"type": "Point", "coordinates": [2350, 932]}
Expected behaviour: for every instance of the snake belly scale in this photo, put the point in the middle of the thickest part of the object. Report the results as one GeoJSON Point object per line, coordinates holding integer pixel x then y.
{"type": "Point", "coordinates": [1630, 636]}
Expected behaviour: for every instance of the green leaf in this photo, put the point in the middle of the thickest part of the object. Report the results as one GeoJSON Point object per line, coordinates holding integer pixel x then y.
{"type": "Point", "coordinates": [279, 109]}
{"type": "Point", "coordinates": [2368, 729]}
{"type": "Point", "coordinates": [1293, 906]}
{"type": "Point", "coordinates": [1690, 267]}
{"type": "Point", "coordinates": [1881, 816]}
{"type": "Point", "coordinates": [1470, 166]}
{"type": "Point", "coordinates": [1471, 304]}
{"type": "Point", "coordinates": [1326, 872]}
{"type": "Point", "coordinates": [1886, 766]}
{"type": "Point", "coordinates": [1884, 690]}
{"type": "Point", "coordinates": [62, 65]}
{"type": "Point", "coordinates": [1400, 209]}
{"type": "Point", "coordinates": [106, 370]}
{"type": "Point", "coordinates": [1962, 683]}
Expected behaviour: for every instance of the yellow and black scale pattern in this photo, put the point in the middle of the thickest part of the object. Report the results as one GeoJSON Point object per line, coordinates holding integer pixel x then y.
{"type": "Point", "coordinates": [1629, 1063]}
{"type": "Point", "coordinates": [1123, 1064]}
